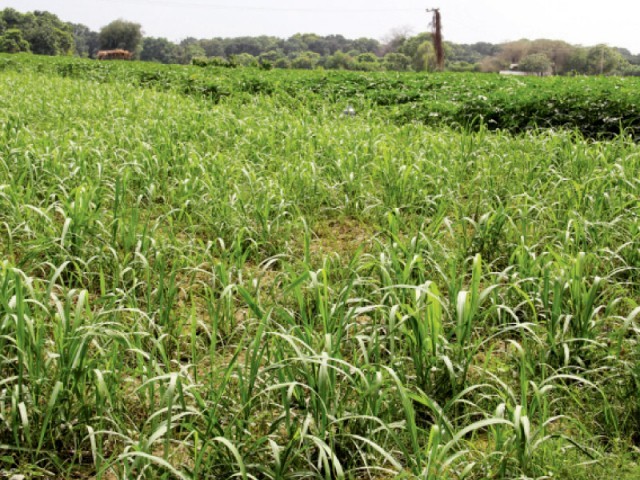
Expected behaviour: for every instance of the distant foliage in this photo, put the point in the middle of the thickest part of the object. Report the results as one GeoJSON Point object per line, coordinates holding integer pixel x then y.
{"type": "Point", "coordinates": [603, 60]}
{"type": "Point", "coordinates": [38, 32]}
{"type": "Point", "coordinates": [158, 50]}
{"type": "Point", "coordinates": [212, 62]}
{"type": "Point", "coordinates": [47, 34]}
{"type": "Point", "coordinates": [121, 34]}
{"type": "Point", "coordinates": [13, 42]}
{"type": "Point", "coordinates": [397, 61]}
{"type": "Point", "coordinates": [86, 41]}
{"type": "Point", "coordinates": [536, 63]}
{"type": "Point", "coordinates": [245, 60]}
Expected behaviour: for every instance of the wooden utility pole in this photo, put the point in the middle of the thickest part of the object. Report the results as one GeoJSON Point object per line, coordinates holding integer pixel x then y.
{"type": "Point", "coordinates": [436, 25]}
{"type": "Point", "coordinates": [601, 59]}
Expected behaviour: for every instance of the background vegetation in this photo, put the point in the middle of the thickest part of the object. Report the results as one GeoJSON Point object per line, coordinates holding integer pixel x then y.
{"type": "Point", "coordinates": [597, 107]}
{"type": "Point", "coordinates": [43, 33]}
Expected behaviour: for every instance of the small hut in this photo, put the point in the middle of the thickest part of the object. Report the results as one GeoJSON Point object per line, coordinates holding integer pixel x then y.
{"type": "Point", "coordinates": [118, 54]}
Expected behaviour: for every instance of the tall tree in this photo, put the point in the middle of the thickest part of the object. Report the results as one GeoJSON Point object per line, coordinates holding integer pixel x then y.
{"type": "Point", "coordinates": [421, 51]}
{"type": "Point", "coordinates": [536, 63]}
{"type": "Point", "coordinates": [12, 42]}
{"type": "Point", "coordinates": [577, 62]}
{"type": "Point", "coordinates": [294, 44]}
{"type": "Point", "coordinates": [339, 61]}
{"type": "Point", "coordinates": [425, 58]}
{"type": "Point", "coordinates": [306, 60]}
{"type": "Point", "coordinates": [121, 34]}
{"type": "Point", "coordinates": [12, 18]}
{"type": "Point", "coordinates": [397, 62]}
{"type": "Point", "coordinates": [86, 40]}
{"type": "Point", "coordinates": [316, 43]}
{"type": "Point", "coordinates": [158, 50]}
{"type": "Point", "coordinates": [411, 44]}
{"type": "Point", "coordinates": [337, 43]}
{"type": "Point", "coordinates": [188, 49]}
{"type": "Point", "coordinates": [513, 52]}
{"type": "Point", "coordinates": [368, 62]}
{"type": "Point", "coordinates": [557, 51]}
{"type": "Point", "coordinates": [251, 45]}
{"type": "Point", "coordinates": [365, 45]}
{"type": "Point", "coordinates": [213, 47]}
{"type": "Point", "coordinates": [47, 34]}
{"type": "Point", "coordinates": [245, 60]}
{"type": "Point", "coordinates": [603, 60]}
{"type": "Point", "coordinates": [395, 39]}
{"type": "Point", "coordinates": [270, 57]}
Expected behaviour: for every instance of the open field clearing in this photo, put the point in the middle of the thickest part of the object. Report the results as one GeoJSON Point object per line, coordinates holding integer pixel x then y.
{"type": "Point", "coordinates": [253, 285]}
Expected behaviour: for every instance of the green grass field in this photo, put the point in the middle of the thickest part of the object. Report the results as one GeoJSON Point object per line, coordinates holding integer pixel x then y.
{"type": "Point", "coordinates": [215, 274]}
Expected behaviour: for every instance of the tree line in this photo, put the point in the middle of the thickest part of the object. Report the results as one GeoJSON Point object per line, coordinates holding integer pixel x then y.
{"type": "Point", "coordinates": [43, 33]}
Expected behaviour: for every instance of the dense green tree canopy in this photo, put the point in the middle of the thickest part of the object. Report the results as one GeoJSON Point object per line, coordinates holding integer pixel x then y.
{"type": "Point", "coordinates": [158, 50]}
{"type": "Point", "coordinates": [271, 56]}
{"type": "Point", "coordinates": [44, 32]}
{"type": "Point", "coordinates": [49, 35]}
{"type": "Point", "coordinates": [13, 42]}
{"type": "Point", "coordinates": [121, 34]}
{"type": "Point", "coordinates": [86, 40]}
{"type": "Point", "coordinates": [213, 47]}
{"type": "Point", "coordinates": [250, 45]}
{"type": "Point", "coordinates": [424, 59]}
{"type": "Point", "coordinates": [339, 61]}
{"type": "Point", "coordinates": [245, 60]}
{"type": "Point", "coordinates": [397, 61]}
{"type": "Point", "coordinates": [411, 45]}
{"type": "Point", "coordinates": [536, 63]}
{"type": "Point", "coordinates": [602, 60]}
{"type": "Point", "coordinates": [306, 60]}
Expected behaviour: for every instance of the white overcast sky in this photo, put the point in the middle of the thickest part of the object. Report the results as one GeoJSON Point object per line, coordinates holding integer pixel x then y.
{"type": "Point", "coordinates": [584, 22]}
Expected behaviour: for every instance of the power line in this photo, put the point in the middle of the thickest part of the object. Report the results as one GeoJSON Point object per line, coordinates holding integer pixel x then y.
{"type": "Point", "coordinates": [216, 6]}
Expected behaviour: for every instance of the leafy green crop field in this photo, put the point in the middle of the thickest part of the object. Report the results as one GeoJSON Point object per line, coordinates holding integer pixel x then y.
{"type": "Point", "coordinates": [597, 107]}
{"type": "Point", "coordinates": [216, 274]}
